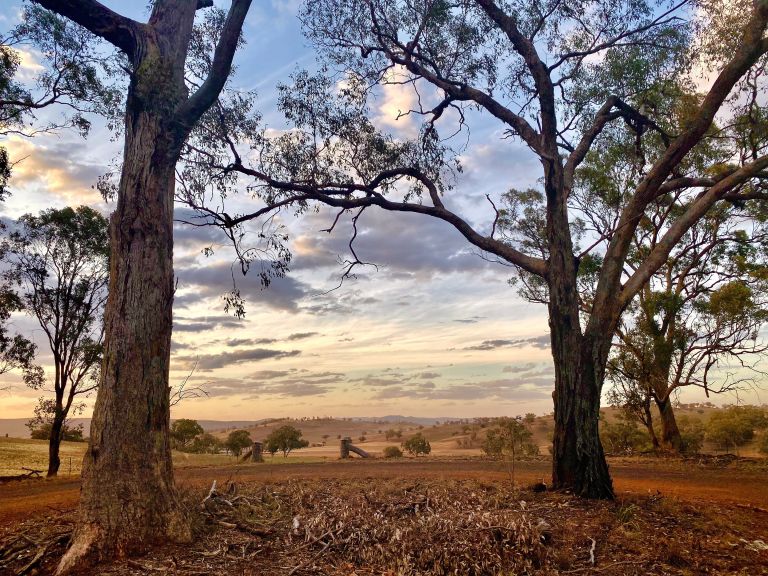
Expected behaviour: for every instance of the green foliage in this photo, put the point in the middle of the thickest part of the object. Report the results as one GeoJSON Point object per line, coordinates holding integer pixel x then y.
{"type": "Point", "coordinates": [58, 263]}
{"type": "Point", "coordinates": [284, 439]}
{"type": "Point", "coordinates": [735, 426]}
{"type": "Point", "coordinates": [237, 441]}
{"type": "Point", "coordinates": [205, 444]}
{"type": "Point", "coordinates": [763, 447]}
{"type": "Point", "coordinates": [74, 76]}
{"type": "Point", "coordinates": [623, 437]}
{"type": "Point", "coordinates": [68, 434]}
{"type": "Point", "coordinates": [183, 432]}
{"type": "Point", "coordinates": [530, 418]}
{"type": "Point", "coordinates": [392, 452]}
{"type": "Point", "coordinates": [391, 434]}
{"type": "Point", "coordinates": [416, 445]}
{"type": "Point", "coordinates": [510, 436]}
{"type": "Point", "coordinates": [16, 352]}
{"type": "Point", "coordinates": [692, 434]}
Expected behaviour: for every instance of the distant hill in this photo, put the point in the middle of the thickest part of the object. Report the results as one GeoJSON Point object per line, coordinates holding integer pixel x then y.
{"type": "Point", "coordinates": [15, 427]}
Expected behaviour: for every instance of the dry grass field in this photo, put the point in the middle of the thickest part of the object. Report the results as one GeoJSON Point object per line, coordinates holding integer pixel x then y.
{"type": "Point", "coordinates": [423, 516]}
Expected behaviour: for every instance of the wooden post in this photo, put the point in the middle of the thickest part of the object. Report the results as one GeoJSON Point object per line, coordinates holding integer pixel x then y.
{"type": "Point", "coordinates": [345, 442]}
{"type": "Point", "coordinates": [256, 455]}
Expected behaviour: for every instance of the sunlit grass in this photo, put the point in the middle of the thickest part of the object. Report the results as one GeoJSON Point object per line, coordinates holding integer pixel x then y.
{"type": "Point", "coordinates": [18, 453]}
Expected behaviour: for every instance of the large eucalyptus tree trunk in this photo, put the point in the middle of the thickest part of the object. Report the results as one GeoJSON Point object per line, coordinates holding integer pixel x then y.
{"type": "Point", "coordinates": [128, 499]}
{"type": "Point", "coordinates": [578, 460]}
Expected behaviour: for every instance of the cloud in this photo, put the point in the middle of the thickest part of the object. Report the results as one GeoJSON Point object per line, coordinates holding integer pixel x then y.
{"type": "Point", "coordinates": [249, 341]}
{"type": "Point", "coordinates": [473, 320]}
{"type": "Point", "coordinates": [276, 383]}
{"type": "Point", "coordinates": [408, 246]}
{"type": "Point", "coordinates": [526, 367]}
{"type": "Point", "coordinates": [205, 324]}
{"type": "Point", "coordinates": [59, 168]}
{"type": "Point", "coordinates": [503, 389]}
{"type": "Point", "coordinates": [541, 342]}
{"type": "Point", "coordinates": [301, 335]}
{"type": "Point", "coordinates": [428, 375]}
{"type": "Point", "coordinates": [207, 362]}
{"type": "Point", "coordinates": [396, 100]}
{"type": "Point", "coordinates": [199, 283]}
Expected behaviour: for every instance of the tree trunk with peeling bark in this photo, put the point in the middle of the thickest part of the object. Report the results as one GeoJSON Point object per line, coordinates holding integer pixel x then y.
{"type": "Point", "coordinates": [670, 433]}
{"type": "Point", "coordinates": [128, 499]}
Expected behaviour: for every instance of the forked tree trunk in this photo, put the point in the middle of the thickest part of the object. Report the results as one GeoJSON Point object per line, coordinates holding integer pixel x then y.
{"type": "Point", "coordinates": [578, 460]}
{"type": "Point", "coordinates": [670, 433]}
{"type": "Point", "coordinates": [647, 418]}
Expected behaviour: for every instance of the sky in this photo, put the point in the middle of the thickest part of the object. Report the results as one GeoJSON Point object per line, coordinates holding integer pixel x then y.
{"type": "Point", "coordinates": [435, 331]}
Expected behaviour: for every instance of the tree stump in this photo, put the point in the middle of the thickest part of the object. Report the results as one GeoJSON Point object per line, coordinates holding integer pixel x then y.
{"type": "Point", "coordinates": [256, 455]}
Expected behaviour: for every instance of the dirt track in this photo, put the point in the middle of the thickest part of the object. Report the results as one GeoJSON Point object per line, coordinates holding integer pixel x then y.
{"type": "Point", "coordinates": [734, 484]}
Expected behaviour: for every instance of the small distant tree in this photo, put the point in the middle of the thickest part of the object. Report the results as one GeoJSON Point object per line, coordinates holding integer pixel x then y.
{"type": "Point", "coordinates": [530, 418]}
{"type": "Point", "coordinates": [416, 445]}
{"type": "Point", "coordinates": [59, 261]}
{"type": "Point", "coordinates": [237, 441]}
{"type": "Point", "coordinates": [285, 439]}
{"type": "Point", "coordinates": [183, 432]}
{"type": "Point", "coordinates": [509, 436]}
{"type": "Point", "coordinates": [393, 452]}
{"type": "Point", "coordinates": [392, 434]}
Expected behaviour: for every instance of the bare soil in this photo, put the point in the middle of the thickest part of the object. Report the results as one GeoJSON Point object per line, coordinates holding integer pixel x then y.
{"type": "Point", "coordinates": [704, 516]}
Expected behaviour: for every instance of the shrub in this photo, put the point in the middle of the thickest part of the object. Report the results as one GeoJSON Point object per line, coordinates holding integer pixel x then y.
{"type": "Point", "coordinates": [764, 444]}
{"type": "Point", "coordinates": [509, 436]}
{"type": "Point", "coordinates": [416, 445]}
{"type": "Point", "coordinates": [735, 426]}
{"type": "Point", "coordinates": [691, 435]}
{"type": "Point", "coordinates": [623, 437]}
{"type": "Point", "coordinates": [530, 449]}
{"type": "Point", "coordinates": [393, 452]}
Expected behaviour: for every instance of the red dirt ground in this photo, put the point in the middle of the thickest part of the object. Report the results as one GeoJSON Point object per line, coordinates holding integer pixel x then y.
{"type": "Point", "coordinates": [687, 480]}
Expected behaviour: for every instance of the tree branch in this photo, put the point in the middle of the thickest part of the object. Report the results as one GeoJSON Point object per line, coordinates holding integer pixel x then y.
{"type": "Point", "coordinates": [116, 29]}
{"type": "Point", "coordinates": [221, 66]}
{"type": "Point", "coordinates": [700, 207]}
